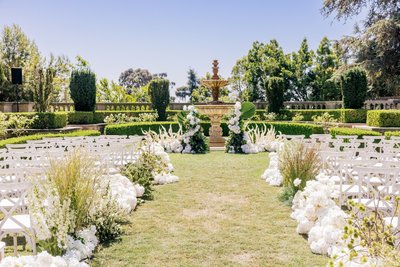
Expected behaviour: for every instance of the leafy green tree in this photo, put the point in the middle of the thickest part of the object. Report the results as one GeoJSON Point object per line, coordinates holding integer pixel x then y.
{"type": "Point", "coordinates": [111, 92]}
{"type": "Point", "coordinates": [375, 45]}
{"type": "Point", "coordinates": [17, 50]}
{"type": "Point", "coordinates": [237, 82]}
{"type": "Point", "coordinates": [302, 73]}
{"type": "Point", "coordinates": [326, 63]}
{"type": "Point", "coordinates": [253, 75]}
{"type": "Point", "coordinates": [159, 94]}
{"type": "Point", "coordinates": [135, 78]}
{"type": "Point", "coordinates": [43, 87]}
{"type": "Point", "coordinates": [182, 92]}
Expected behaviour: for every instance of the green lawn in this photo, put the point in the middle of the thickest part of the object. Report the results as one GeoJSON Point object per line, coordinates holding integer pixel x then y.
{"type": "Point", "coordinates": [221, 213]}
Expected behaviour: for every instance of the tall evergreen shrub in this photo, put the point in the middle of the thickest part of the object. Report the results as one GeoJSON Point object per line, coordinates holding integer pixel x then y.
{"type": "Point", "coordinates": [159, 94]}
{"type": "Point", "coordinates": [275, 87]}
{"type": "Point", "coordinates": [354, 88]}
{"type": "Point", "coordinates": [83, 90]}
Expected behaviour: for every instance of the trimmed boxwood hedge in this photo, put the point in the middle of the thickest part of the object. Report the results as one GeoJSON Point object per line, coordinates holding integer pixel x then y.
{"type": "Point", "coordinates": [391, 133]}
{"type": "Point", "coordinates": [383, 118]}
{"type": "Point", "coordinates": [24, 139]}
{"type": "Point", "coordinates": [45, 120]}
{"type": "Point", "coordinates": [342, 115]}
{"type": "Point", "coordinates": [352, 131]}
{"type": "Point", "coordinates": [283, 127]}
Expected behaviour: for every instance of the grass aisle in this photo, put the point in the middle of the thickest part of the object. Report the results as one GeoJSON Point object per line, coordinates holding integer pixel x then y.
{"type": "Point", "coordinates": [219, 214]}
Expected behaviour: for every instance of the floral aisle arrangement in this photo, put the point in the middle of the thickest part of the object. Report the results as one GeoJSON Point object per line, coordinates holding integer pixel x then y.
{"type": "Point", "coordinates": [171, 141]}
{"type": "Point", "coordinates": [238, 140]}
{"type": "Point", "coordinates": [152, 166]}
{"type": "Point", "coordinates": [355, 238]}
{"type": "Point", "coordinates": [194, 140]}
{"type": "Point", "coordinates": [78, 205]}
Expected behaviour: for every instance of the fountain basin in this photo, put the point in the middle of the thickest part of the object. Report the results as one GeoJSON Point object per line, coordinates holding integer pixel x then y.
{"type": "Point", "coordinates": [216, 112]}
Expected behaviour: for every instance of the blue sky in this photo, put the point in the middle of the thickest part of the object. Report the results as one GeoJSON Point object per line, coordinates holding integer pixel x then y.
{"type": "Point", "coordinates": [167, 35]}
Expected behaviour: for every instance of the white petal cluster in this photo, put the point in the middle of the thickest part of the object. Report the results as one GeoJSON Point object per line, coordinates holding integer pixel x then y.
{"type": "Point", "coordinates": [82, 248]}
{"type": "Point", "coordinates": [233, 122]}
{"type": "Point", "coordinates": [250, 147]}
{"type": "Point", "coordinates": [42, 259]}
{"type": "Point", "coordinates": [165, 178]}
{"type": "Point", "coordinates": [123, 191]}
{"type": "Point", "coordinates": [194, 127]}
{"type": "Point", "coordinates": [272, 174]}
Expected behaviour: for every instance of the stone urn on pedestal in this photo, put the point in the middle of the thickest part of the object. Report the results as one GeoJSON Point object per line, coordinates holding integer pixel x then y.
{"type": "Point", "coordinates": [216, 109]}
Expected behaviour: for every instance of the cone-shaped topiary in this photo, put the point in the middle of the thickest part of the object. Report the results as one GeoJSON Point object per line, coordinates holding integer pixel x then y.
{"type": "Point", "coordinates": [354, 88]}
{"type": "Point", "coordinates": [83, 90]}
{"type": "Point", "coordinates": [159, 94]}
{"type": "Point", "coordinates": [274, 90]}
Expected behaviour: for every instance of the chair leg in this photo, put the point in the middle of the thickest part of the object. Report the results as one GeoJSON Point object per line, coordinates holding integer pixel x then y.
{"type": "Point", "coordinates": [15, 244]}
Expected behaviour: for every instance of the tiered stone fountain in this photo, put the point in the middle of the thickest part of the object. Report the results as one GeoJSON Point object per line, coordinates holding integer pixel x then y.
{"type": "Point", "coordinates": [215, 109]}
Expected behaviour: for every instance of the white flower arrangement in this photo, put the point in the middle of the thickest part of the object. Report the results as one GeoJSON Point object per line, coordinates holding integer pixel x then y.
{"type": "Point", "coordinates": [192, 132]}
{"type": "Point", "coordinates": [272, 175]}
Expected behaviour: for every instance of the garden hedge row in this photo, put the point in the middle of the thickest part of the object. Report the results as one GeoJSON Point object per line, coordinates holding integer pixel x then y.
{"type": "Point", "coordinates": [389, 134]}
{"type": "Point", "coordinates": [46, 120]}
{"type": "Point", "coordinates": [383, 118]}
{"type": "Point", "coordinates": [342, 115]}
{"type": "Point", "coordinates": [283, 127]}
{"type": "Point", "coordinates": [24, 139]}
{"type": "Point", "coordinates": [352, 131]}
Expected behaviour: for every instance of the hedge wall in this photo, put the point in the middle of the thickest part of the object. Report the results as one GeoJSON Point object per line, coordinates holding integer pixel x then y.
{"type": "Point", "coordinates": [389, 134]}
{"type": "Point", "coordinates": [352, 131]}
{"type": "Point", "coordinates": [46, 120]}
{"type": "Point", "coordinates": [342, 115]}
{"type": "Point", "coordinates": [283, 127]}
{"type": "Point", "coordinates": [24, 139]}
{"type": "Point", "coordinates": [383, 118]}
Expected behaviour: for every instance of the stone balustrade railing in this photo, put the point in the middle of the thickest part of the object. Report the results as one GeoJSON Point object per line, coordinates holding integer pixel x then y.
{"type": "Point", "coordinates": [383, 103]}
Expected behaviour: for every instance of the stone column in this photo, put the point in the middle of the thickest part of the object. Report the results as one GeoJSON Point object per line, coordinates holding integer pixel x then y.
{"type": "Point", "coordinates": [216, 139]}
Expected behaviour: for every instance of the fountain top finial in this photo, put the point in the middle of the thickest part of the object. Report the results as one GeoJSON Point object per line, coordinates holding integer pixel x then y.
{"type": "Point", "coordinates": [215, 70]}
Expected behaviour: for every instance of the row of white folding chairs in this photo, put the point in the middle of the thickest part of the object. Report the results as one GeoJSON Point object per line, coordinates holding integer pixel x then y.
{"type": "Point", "coordinates": [369, 183]}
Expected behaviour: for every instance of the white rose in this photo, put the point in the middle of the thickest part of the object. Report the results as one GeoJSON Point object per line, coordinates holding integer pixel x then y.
{"type": "Point", "coordinates": [296, 182]}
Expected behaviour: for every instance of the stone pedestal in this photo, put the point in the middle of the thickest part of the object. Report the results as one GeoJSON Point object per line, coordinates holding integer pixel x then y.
{"type": "Point", "coordinates": [215, 112]}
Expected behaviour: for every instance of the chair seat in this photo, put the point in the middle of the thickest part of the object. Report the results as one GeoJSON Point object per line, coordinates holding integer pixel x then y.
{"type": "Point", "coordinates": [11, 226]}
{"type": "Point", "coordinates": [390, 220]}
{"type": "Point", "coordinates": [350, 189]}
{"type": "Point", "coordinates": [9, 203]}
{"type": "Point", "coordinates": [391, 190]}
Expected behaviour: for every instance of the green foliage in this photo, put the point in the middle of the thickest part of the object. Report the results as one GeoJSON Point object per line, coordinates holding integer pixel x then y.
{"type": "Point", "coordinates": [389, 134]}
{"type": "Point", "coordinates": [24, 139]}
{"type": "Point", "coordinates": [342, 115]}
{"type": "Point", "coordinates": [159, 94]}
{"type": "Point", "coordinates": [137, 128]}
{"type": "Point", "coordinates": [354, 88]}
{"type": "Point", "coordinates": [50, 120]}
{"type": "Point", "coordinates": [275, 87]}
{"type": "Point", "coordinates": [83, 89]}
{"type": "Point", "coordinates": [290, 128]}
{"type": "Point", "coordinates": [383, 118]}
{"type": "Point", "coordinates": [352, 131]}
{"type": "Point", "coordinates": [247, 110]}
{"type": "Point", "coordinates": [140, 172]}
{"type": "Point", "coordinates": [43, 89]}
{"type": "Point", "coordinates": [326, 63]}
{"type": "Point", "coordinates": [80, 117]}
{"type": "Point", "coordinates": [298, 117]}
{"type": "Point", "coordinates": [44, 120]}
{"type": "Point", "coordinates": [107, 219]}
{"type": "Point", "coordinates": [124, 118]}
